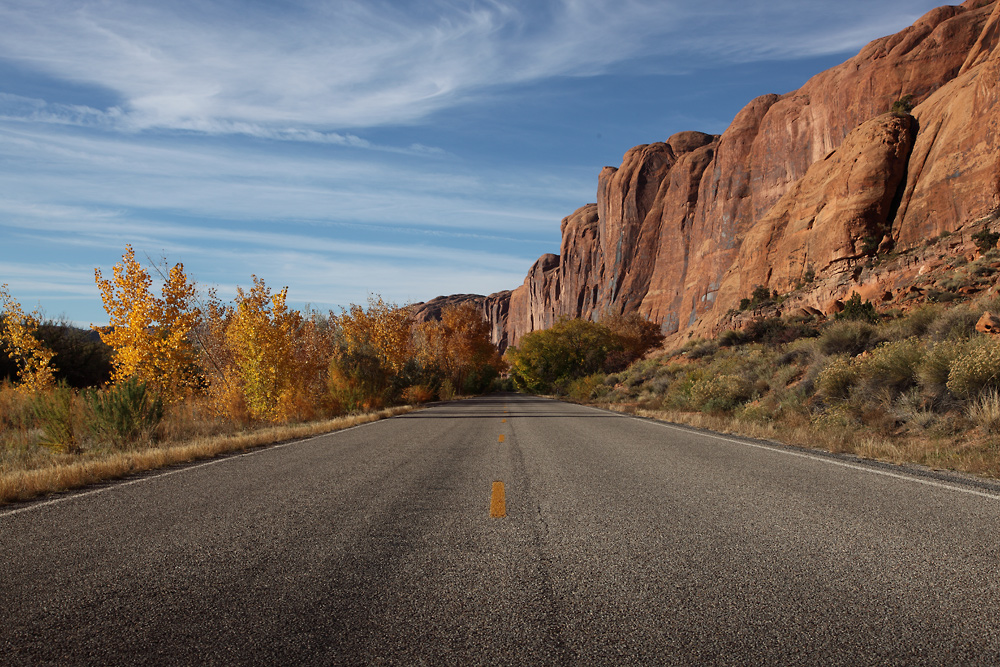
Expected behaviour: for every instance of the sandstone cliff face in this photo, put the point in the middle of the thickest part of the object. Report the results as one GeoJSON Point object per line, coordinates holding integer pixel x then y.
{"type": "Point", "coordinates": [812, 180]}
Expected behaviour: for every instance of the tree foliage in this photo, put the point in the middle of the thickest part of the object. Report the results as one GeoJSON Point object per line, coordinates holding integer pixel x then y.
{"type": "Point", "coordinates": [18, 334]}
{"type": "Point", "coordinates": [548, 360]}
{"type": "Point", "coordinates": [458, 348]}
{"type": "Point", "coordinates": [373, 358]}
{"type": "Point", "coordinates": [150, 335]}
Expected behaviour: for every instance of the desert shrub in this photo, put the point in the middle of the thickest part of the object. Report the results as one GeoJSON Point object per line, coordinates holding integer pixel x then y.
{"type": "Point", "coordinates": [702, 349]}
{"type": "Point", "coordinates": [679, 393]}
{"type": "Point", "coordinates": [838, 417]}
{"type": "Point", "coordinates": [985, 411]}
{"type": "Point", "coordinates": [976, 369]}
{"type": "Point", "coordinates": [660, 383]}
{"type": "Point", "coordinates": [720, 393]}
{"type": "Point", "coordinates": [730, 338]}
{"type": "Point", "coordinates": [848, 337]}
{"type": "Point", "coordinates": [583, 389]}
{"type": "Point", "coordinates": [903, 106]}
{"type": "Point", "coordinates": [16, 410]}
{"type": "Point", "coordinates": [756, 411]}
{"type": "Point", "coordinates": [761, 296]}
{"type": "Point", "coordinates": [837, 378]}
{"type": "Point", "coordinates": [953, 282]}
{"type": "Point", "coordinates": [55, 410]}
{"type": "Point", "coordinates": [640, 372]}
{"type": "Point", "coordinates": [892, 365]}
{"type": "Point", "coordinates": [958, 322]}
{"type": "Point", "coordinates": [783, 376]}
{"type": "Point", "coordinates": [915, 323]}
{"type": "Point", "coordinates": [446, 391]}
{"type": "Point", "coordinates": [125, 414]}
{"type": "Point", "coordinates": [986, 240]}
{"type": "Point", "coordinates": [936, 365]}
{"type": "Point", "coordinates": [771, 331]}
{"type": "Point", "coordinates": [418, 393]}
{"type": "Point", "coordinates": [911, 409]}
{"type": "Point", "coordinates": [858, 310]}
{"type": "Point", "coordinates": [941, 296]}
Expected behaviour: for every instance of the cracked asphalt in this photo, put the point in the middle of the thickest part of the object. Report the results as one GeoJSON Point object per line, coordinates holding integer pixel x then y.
{"type": "Point", "coordinates": [624, 542]}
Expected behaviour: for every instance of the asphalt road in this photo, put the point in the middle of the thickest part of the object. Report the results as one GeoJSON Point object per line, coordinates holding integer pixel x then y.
{"type": "Point", "coordinates": [624, 542]}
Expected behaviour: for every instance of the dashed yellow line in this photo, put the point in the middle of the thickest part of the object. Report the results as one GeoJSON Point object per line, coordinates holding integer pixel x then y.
{"type": "Point", "coordinates": [498, 502]}
{"type": "Point", "coordinates": [501, 438]}
{"type": "Point", "coordinates": [503, 421]}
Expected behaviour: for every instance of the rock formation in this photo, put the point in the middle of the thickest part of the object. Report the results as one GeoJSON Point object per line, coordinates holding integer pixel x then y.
{"type": "Point", "coordinates": [803, 186]}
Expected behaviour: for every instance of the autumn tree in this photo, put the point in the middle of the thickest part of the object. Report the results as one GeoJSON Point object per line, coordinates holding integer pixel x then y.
{"type": "Point", "coordinates": [372, 353]}
{"type": "Point", "coordinates": [33, 359]}
{"type": "Point", "coordinates": [459, 347]}
{"type": "Point", "coordinates": [150, 335]}
{"type": "Point", "coordinates": [260, 335]}
{"type": "Point", "coordinates": [637, 336]}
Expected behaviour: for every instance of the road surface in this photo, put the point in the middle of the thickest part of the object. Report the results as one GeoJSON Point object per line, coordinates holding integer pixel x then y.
{"type": "Point", "coordinates": [616, 541]}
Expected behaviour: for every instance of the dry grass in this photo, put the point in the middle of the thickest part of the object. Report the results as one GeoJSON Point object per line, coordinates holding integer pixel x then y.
{"type": "Point", "coordinates": [69, 472]}
{"type": "Point", "coordinates": [965, 451]}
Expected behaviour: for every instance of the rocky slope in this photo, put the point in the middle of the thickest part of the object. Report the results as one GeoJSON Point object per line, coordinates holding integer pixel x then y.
{"type": "Point", "coordinates": [803, 193]}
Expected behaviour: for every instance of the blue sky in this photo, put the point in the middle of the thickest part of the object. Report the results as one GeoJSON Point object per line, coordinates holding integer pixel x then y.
{"type": "Point", "coordinates": [351, 147]}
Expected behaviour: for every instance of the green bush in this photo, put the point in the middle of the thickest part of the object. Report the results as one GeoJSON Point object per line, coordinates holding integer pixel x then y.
{"type": "Point", "coordinates": [837, 378]}
{"type": "Point", "coordinates": [986, 240]}
{"type": "Point", "coordinates": [550, 359]}
{"type": "Point", "coordinates": [720, 393]}
{"type": "Point", "coordinates": [848, 337]}
{"type": "Point", "coordinates": [125, 414]}
{"type": "Point", "coordinates": [936, 365]}
{"type": "Point", "coordinates": [976, 369]}
{"type": "Point", "coordinates": [586, 388]}
{"type": "Point", "coordinates": [56, 412]}
{"type": "Point", "coordinates": [858, 310]}
{"type": "Point", "coordinates": [959, 322]}
{"type": "Point", "coordinates": [903, 106]}
{"type": "Point", "coordinates": [892, 365]}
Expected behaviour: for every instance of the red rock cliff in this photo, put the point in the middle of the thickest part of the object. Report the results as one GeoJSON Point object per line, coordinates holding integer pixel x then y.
{"type": "Point", "coordinates": [810, 181]}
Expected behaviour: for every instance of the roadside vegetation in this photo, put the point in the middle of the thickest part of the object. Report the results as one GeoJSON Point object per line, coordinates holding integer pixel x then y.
{"type": "Point", "coordinates": [179, 374]}
{"type": "Point", "coordinates": [920, 387]}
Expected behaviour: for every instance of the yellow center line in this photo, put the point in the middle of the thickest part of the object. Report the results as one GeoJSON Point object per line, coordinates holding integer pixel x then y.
{"type": "Point", "coordinates": [498, 502]}
{"type": "Point", "coordinates": [501, 439]}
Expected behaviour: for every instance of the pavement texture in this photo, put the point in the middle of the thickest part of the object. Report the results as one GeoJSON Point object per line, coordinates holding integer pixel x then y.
{"type": "Point", "coordinates": [622, 541]}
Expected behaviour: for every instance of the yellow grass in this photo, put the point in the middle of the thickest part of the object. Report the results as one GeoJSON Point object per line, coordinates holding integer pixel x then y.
{"type": "Point", "coordinates": [19, 485]}
{"type": "Point", "coordinates": [970, 452]}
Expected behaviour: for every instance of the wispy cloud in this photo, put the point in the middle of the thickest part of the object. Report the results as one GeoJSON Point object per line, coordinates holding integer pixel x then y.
{"type": "Point", "coordinates": [251, 68]}
{"type": "Point", "coordinates": [243, 183]}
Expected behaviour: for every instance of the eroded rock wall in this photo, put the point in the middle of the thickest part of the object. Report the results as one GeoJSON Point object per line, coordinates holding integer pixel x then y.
{"type": "Point", "coordinates": [808, 181]}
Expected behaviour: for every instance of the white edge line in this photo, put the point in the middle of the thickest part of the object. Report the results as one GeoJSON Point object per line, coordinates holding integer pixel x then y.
{"type": "Point", "coordinates": [146, 478]}
{"type": "Point", "coordinates": [780, 449]}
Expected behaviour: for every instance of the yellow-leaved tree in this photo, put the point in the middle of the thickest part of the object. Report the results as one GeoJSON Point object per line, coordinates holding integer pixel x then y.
{"type": "Point", "coordinates": [35, 371]}
{"type": "Point", "coordinates": [151, 336]}
{"type": "Point", "coordinates": [261, 339]}
{"type": "Point", "coordinates": [373, 349]}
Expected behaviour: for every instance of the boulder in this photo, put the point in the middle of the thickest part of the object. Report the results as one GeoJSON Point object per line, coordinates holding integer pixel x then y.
{"type": "Point", "coordinates": [988, 323]}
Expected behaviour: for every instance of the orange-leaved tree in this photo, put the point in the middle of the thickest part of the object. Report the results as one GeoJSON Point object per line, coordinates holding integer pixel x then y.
{"type": "Point", "coordinates": [17, 333]}
{"type": "Point", "coordinates": [372, 353]}
{"type": "Point", "coordinates": [150, 335]}
{"type": "Point", "coordinates": [459, 347]}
